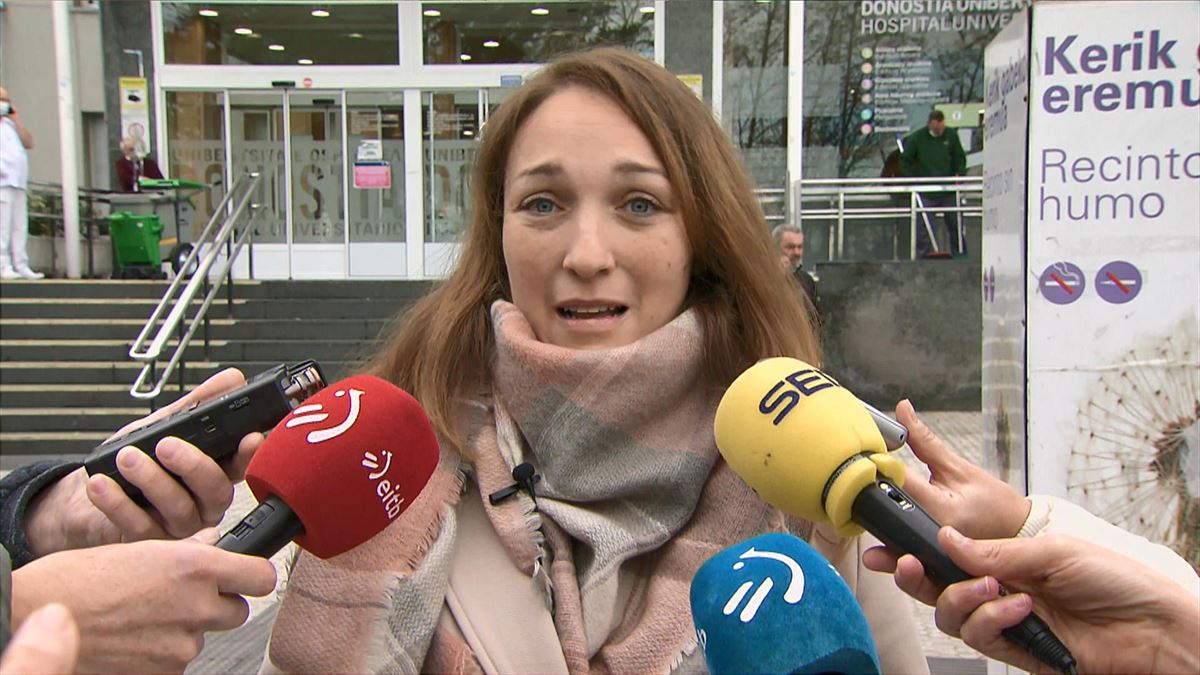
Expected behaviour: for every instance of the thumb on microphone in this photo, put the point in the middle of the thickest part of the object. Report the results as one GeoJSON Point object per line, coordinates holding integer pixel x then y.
{"type": "Point", "coordinates": [1010, 560]}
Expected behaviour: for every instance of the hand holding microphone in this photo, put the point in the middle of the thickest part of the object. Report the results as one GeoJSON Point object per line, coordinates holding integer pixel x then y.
{"type": "Point", "coordinates": [807, 446]}
{"type": "Point", "coordinates": [1120, 616]}
{"type": "Point", "coordinates": [957, 492]}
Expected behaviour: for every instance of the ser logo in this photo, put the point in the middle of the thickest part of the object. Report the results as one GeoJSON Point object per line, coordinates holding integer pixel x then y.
{"type": "Point", "coordinates": [792, 595]}
{"type": "Point", "coordinates": [802, 383]}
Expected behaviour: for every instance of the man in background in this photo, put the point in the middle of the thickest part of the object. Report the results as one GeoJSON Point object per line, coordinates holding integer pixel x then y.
{"type": "Point", "coordinates": [790, 240]}
{"type": "Point", "coordinates": [15, 142]}
{"type": "Point", "coordinates": [131, 167]}
{"type": "Point", "coordinates": [935, 151]}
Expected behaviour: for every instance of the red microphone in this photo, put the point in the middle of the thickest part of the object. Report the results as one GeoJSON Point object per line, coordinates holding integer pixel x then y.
{"type": "Point", "coordinates": [337, 470]}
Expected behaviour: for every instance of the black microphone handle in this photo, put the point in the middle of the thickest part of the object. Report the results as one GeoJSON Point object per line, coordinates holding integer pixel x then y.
{"type": "Point", "coordinates": [897, 520]}
{"type": "Point", "coordinates": [264, 531]}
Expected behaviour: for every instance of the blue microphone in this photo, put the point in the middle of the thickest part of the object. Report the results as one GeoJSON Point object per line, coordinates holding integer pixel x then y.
{"type": "Point", "coordinates": [772, 604]}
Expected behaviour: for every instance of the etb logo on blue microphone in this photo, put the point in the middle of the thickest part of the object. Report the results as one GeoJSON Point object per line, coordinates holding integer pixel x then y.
{"type": "Point", "coordinates": [772, 604]}
{"type": "Point", "coordinates": [793, 593]}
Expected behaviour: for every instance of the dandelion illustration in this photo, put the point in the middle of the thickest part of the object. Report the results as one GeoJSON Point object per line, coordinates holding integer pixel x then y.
{"type": "Point", "coordinates": [1137, 460]}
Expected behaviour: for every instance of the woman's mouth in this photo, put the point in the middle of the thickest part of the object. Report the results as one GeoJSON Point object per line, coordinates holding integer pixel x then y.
{"type": "Point", "coordinates": [592, 313]}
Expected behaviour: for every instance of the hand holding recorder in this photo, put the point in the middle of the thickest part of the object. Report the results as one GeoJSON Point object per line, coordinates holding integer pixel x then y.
{"type": "Point", "coordinates": [184, 490]}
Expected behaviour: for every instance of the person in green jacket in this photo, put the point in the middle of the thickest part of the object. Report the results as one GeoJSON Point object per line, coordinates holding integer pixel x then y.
{"type": "Point", "coordinates": [936, 151]}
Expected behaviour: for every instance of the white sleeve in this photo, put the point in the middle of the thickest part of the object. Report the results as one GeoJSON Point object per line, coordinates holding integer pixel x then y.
{"type": "Point", "coordinates": [1054, 515]}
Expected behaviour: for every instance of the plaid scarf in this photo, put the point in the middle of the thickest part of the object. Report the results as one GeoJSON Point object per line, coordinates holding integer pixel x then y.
{"type": "Point", "coordinates": [633, 498]}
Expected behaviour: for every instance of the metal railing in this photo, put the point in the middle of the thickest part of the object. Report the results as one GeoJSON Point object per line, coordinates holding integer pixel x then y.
{"type": "Point", "coordinates": [220, 235]}
{"type": "Point", "coordinates": [839, 200]}
{"type": "Point", "coordinates": [46, 215]}
{"type": "Point", "coordinates": [774, 204]}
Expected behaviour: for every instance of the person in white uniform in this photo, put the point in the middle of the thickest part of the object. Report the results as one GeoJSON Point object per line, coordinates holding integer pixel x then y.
{"type": "Point", "coordinates": [15, 142]}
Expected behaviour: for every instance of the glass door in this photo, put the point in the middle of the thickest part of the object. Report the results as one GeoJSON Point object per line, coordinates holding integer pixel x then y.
{"type": "Point", "coordinates": [450, 128]}
{"type": "Point", "coordinates": [196, 143]}
{"type": "Point", "coordinates": [317, 213]}
{"type": "Point", "coordinates": [375, 165]}
{"type": "Point", "coordinates": [294, 139]}
{"type": "Point", "coordinates": [256, 132]}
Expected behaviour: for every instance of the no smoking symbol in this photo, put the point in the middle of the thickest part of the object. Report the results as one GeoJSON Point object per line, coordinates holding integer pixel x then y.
{"type": "Point", "coordinates": [1118, 282]}
{"type": "Point", "coordinates": [1062, 283]}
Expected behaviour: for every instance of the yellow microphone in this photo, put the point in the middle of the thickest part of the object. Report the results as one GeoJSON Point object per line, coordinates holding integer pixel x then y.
{"type": "Point", "coordinates": [809, 447]}
{"type": "Point", "coordinates": [802, 441]}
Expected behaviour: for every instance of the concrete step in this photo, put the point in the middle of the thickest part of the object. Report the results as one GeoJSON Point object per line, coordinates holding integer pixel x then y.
{"type": "Point", "coordinates": [66, 395]}
{"type": "Point", "coordinates": [122, 375]}
{"type": "Point", "coordinates": [88, 372]}
{"type": "Point", "coordinates": [63, 419]}
{"type": "Point", "coordinates": [299, 329]}
{"type": "Point", "coordinates": [290, 350]}
{"type": "Point", "coordinates": [219, 351]}
{"type": "Point", "coordinates": [311, 310]}
{"type": "Point", "coordinates": [51, 443]}
{"type": "Point", "coordinates": [220, 329]}
{"type": "Point", "coordinates": [84, 288]}
{"type": "Point", "coordinates": [86, 308]}
{"type": "Point", "coordinates": [384, 289]}
{"type": "Point", "coordinates": [88, 350]}
{"type": "Point", "coordinates": [89, 329]}
{"type": "Point", "coordinates": [388, 289]}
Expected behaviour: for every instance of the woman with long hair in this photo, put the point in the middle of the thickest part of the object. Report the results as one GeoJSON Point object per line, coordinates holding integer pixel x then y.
{"type": "Point", "coordinates": [617, 274]}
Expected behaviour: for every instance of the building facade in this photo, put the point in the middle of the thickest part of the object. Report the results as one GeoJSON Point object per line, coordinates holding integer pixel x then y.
{"type": "Point", "coordinates": [363, 117]}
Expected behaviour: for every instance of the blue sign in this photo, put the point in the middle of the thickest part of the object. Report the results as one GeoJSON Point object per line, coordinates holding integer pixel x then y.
{"type": "Point", "coordinates": [1062, 283]}
{"type": "Point", "coordinates": [1118, 282]}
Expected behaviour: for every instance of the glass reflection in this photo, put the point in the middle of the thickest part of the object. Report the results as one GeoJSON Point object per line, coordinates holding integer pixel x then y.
{"type": "Point", "coordinates": [196, 142]}
{"type": "Point", "coordinates": [450, 127]}
{"type": "Point", "coordinates": [754, 95]}
{"type": "Point", "coordinates": [512, 32]}
{"type": "Point", "coordinates": [265, 33]}
{"type": "Point", "coordinates": [316, 153]}
{"type": "Point", "coordinates": [376, 134]}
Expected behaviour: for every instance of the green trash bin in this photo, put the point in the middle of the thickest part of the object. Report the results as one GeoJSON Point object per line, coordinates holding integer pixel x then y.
{"type": "Point", "coordinates": [135, 239]}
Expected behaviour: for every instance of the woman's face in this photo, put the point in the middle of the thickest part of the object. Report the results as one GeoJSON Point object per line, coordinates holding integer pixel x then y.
{"type": "Point", "coordinates": [594, 244]}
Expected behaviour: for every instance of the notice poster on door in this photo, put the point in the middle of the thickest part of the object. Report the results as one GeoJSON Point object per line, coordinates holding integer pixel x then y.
{"type": "Point", "coordinates": [372, 175]}
{"type": "Point", "coordinates": [1114, 249]}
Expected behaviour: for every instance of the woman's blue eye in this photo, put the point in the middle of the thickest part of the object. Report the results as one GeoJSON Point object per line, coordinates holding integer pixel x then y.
{"type": "Point", "coordinates": [542, 206]}
{"type": "Point", "coordinates": [641, 206]}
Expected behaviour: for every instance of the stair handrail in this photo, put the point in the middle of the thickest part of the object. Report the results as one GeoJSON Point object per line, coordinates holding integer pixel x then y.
{"type": "Point", "coordinates": [175, 301]}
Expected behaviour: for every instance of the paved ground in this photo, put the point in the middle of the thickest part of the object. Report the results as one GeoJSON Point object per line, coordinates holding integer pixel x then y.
{"type": "Point", "coordinates": [240, 651]}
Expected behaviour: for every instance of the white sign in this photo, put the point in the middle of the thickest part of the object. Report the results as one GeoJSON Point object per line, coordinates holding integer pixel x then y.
{"type": "Point", "coordinates": [1113, 260]}
{"type": "Point", "coordinates": [369, 150]}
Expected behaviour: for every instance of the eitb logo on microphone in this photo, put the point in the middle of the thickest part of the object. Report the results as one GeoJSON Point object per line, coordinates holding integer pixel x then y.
{"type": "Point", "coordinates": [791, 595]}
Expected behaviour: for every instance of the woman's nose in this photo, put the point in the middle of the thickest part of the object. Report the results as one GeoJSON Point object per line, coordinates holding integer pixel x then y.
{"type": "Point", "coordinates": [589, 251]}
